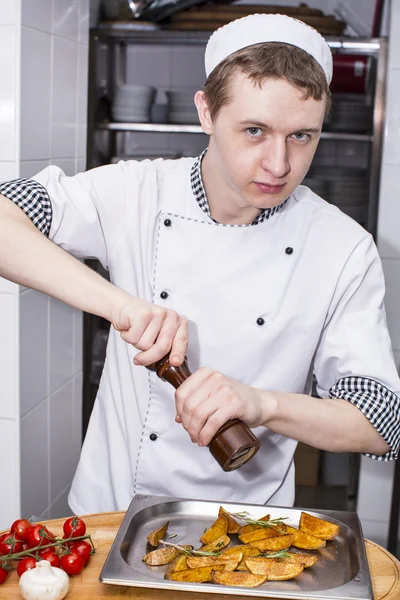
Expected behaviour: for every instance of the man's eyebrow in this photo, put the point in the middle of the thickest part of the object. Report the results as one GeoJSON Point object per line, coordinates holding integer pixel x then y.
{"type": "Point", "coordinates": [252, 123]}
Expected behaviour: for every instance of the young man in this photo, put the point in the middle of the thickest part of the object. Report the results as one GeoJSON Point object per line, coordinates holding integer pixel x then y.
{"type": "Point", "coordinates": [267, 282]}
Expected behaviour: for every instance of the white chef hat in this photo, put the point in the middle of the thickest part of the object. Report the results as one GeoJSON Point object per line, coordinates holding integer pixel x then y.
{"type": "Point", "coordinates": [259, 28]}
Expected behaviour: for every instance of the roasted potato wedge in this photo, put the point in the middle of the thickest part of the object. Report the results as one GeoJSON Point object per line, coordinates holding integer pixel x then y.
{"type": "Point", "coordinates": [178, 564]}
{"type": "Point", "coordinates": [259, 534]}
{"type": "Point", "coordinates": [218, 544]}
{"type": "Point", "coordinates": [199, 575]}
{"type": "Point", "coordinates": [229, 564]}
{"type": "Point", "coordinates": [319, 528]}
{"type": "Point", "coordinates": [194, 562]}
{"type": "Point", "coordinates": [155, 537]}
{"type": "Point", "coordinates": [193, 575]}
{"type": "Point", "coordinates": [238, 579]}
{"type": "Point", "coordinates": [274, 569]}
{"type": "Point", "coordinates": [161, 556]}
{"type": "Point", "coordinates": [248, 528]}
{"type": "Point", "coordinates": [250, 552]}
{"type": "Point", "coordinates": [308, 560]}
{"type": "Point", "coordinates": [233, 526]}
{"type": "Point", "coordinates": [304, 540]}
{"type": "Point", "coordinates": [246, 551]}
{"type": "Point", "coordinates": [217, 529]}
{"type": "Point", "coordinates": [280, 542]}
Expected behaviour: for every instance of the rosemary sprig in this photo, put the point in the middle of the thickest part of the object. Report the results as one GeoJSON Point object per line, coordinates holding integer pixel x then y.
{"type": "Point", "coordinates": [279, 554]}
{"type": "Point", "coordinates": [190, 552]}
{"type": "Point", "coordinates": [172, 536]}
{"type": "Point", "coordinates": [273, 523]}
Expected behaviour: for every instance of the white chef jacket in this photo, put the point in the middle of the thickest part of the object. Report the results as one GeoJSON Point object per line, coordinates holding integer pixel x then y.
{"type": "Point", "coordinates": [310, 274]}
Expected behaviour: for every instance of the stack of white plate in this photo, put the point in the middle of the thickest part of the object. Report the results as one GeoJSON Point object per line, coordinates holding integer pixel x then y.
{"type": "Point", "coordinates": [181, 107]}
{"type": "Point", "coordinates": [132, 103]}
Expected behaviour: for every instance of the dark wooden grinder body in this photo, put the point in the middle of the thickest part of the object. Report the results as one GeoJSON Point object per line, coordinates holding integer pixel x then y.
{"type": "Point", "coordinates": [234, 444]}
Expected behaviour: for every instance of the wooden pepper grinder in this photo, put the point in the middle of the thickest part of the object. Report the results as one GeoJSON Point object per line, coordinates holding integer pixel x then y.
{"type": "Point", "coordinates": [233, 444]}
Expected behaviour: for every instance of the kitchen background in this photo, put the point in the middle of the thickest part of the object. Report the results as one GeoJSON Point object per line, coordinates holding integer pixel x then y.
{"type": "Point", "coordinates": [44, 61]}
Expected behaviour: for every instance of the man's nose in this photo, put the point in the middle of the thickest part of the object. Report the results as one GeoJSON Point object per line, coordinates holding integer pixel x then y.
{"type": "Point", "coordinates": [275, 157]}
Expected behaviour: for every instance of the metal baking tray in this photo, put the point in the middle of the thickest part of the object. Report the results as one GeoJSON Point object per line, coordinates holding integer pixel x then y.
{"type": "Point", "coordinates": [341, 572]}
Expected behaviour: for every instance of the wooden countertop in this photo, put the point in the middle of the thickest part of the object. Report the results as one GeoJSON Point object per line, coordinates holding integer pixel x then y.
{"type": "Point", "coordinates": [103, 527]}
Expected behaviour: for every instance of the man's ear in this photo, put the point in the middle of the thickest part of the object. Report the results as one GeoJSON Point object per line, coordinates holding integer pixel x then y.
{"type": "Point", "coordinates": [204, 113]}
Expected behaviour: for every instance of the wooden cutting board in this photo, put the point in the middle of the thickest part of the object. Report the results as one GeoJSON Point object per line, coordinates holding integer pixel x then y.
{"type": "Point", "coordinates": [103, 527]}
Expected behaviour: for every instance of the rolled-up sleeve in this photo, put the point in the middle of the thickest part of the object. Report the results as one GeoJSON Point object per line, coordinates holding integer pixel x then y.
{"type": "Point", "coordinates": [33, 199]}
{"type": "Point", "coordinates": [354, 359]}
{"type": "Point", "coordinates": [83, 214]}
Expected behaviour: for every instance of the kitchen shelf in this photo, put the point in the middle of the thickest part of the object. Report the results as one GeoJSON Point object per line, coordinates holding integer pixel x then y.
{"type": "Point", "coordinates": [177, 128]}
{"type": "Point", "coordinates": [142, 32]}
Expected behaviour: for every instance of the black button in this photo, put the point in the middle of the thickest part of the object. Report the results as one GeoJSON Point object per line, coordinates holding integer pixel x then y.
{"type": "Point", "coordinates": [164, 295]}
{"type": "Point", "coordinates": [289, 250]}
{"type": "Point", "coordinates": [260, 321]}
{"type": "Point", "coordinates": [153, 437]}
{"type": "Point", "coordinates": [167, 222]}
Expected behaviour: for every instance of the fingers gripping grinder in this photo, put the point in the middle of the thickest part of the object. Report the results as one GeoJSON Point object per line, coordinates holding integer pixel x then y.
{"type": "Point", "coordinates": [234, 444]}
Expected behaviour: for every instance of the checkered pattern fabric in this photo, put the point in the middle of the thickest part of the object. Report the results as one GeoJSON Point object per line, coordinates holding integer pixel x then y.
{"type": "Point", "coordinates": [33, 199]}
{"type": "Point", "coordinates": [201, 198]}
{"type": "Point", "coordinates": [378, 404]}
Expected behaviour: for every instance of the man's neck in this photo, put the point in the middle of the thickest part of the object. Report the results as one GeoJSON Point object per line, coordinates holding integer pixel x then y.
{"type": "Point", "coordinates": [225, 205]}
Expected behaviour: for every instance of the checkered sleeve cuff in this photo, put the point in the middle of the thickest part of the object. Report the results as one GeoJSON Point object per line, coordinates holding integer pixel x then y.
{"type": "Point", "coordinates": [380, 405]}
{"type": "Point", "coordinates": [33, 199]}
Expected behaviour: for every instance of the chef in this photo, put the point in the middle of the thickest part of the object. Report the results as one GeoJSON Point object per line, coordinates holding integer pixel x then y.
{"type": "Point", "coordinates": [229, 259]}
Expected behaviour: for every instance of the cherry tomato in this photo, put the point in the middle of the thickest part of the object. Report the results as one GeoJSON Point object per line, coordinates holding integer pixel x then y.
{"type": "Point", "coordinates": [8, 544]}
{"type": "Point", "coordinates": [3, 575]}
{"type": "Point", "coordinates": [26, 564]}
{"type": "Point", "coordinates": [38, 535]}
{"type": "Point", "coordinates": [72, 563]}
{"type": "Point", "coordinates": [20, 528]}
{"type": "Point", "coordinates": [51, 556]}
{"type": "Point", "coordinates": [74, 527]}
{"type": "Point", "coordinates": [82, 548]}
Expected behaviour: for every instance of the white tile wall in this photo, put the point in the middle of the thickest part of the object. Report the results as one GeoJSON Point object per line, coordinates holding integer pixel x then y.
{"type": "Point", "coordinates": [66, 19]}
{"type": "Point", "coordinates": [389, 212]}
{"type": "Point", "coordinates": [61, 348]}
{"type": "Point", "coordinates": [391, 268]}
{"type": "Point", "coordinates": [8, 12]}
{"type": "Point", "coordinates": [64, 100]}
{"type": "Point", "coordinates": [8, 93]}
{"type": "Point", "coordinates": [68, 165]}
{"type": "Point", "coordinates": [35, 461]}
{"type": "Point", "coordinates": [83, 67]}
{"type": "Point", "coordinates": [374, 498]}
{"type": "Point", "coordinates": [77, 419]}
{"type": "Point", "coordinates": [394, 56]}
{"type": "Point", "coordinates": [9, 373]}
{"type": "Point", "coordinates": [34, 334]}
{"type": "Point", "coordinates": [29, 168]}
{"type": "Point", "coordinates": [8, 287]}
{"type": "Point", "coordinates": [38, 14]}
{"type": "Point", "coordinates": [54, 64]}
{"type": "Point", "coordinates": [35, 98]}
{"type": "Point", "coordinates": [8, 170]}
{"type": "Point", "coordinates": [84, 13]}
{"type": "Point", "coordinates": [61, 453]}
{"type": "Point", "coordinates": [60, 508]}
{"type": "Point", "coordinates": [9, 470]}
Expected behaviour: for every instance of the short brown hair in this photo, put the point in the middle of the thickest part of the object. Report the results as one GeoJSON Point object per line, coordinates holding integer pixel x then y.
{"type": "Point", "coordinates": [270, 60]}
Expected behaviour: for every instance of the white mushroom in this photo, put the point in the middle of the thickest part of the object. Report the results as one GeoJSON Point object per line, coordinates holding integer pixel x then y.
{"type": "Point", "coordinates": [44, 582]}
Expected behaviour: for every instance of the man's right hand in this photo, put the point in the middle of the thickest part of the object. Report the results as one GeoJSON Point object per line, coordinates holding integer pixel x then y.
{"type": "Point", "coordinates": [152, 329]}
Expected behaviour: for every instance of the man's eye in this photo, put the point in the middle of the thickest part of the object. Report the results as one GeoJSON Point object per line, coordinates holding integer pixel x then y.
{"type": "Point", "coordinates": [301, 137]}
{"type": "Point", "coordinates": [254, 131]}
